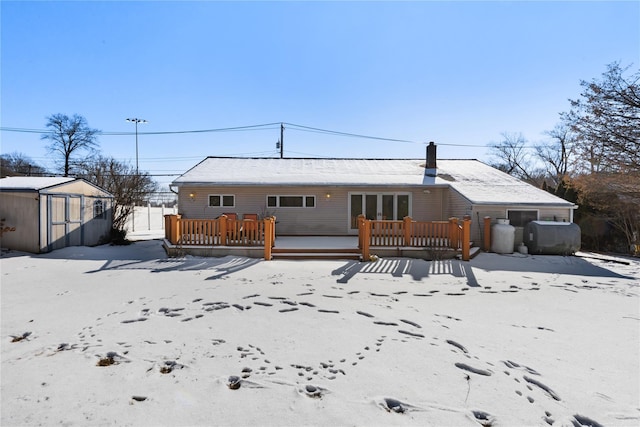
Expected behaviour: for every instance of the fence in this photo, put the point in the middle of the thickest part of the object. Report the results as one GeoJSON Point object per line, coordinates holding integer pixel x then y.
{"type": "Point", "coordinates": [148, 218]}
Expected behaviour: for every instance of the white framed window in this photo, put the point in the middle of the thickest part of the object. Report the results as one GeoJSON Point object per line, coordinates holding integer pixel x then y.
{"type": "Point", "coordinates": [291, 201]}
{"type": "Point", "coordinates": [98, 210]}
{"type": "Point", "coordinates": [222, 200]}
{"type": "Point", "coordinates": [520, 218]}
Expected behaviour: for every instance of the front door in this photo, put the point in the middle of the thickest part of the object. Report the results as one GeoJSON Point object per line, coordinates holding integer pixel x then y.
{"type": "Point", "coordinates": [377, 206]}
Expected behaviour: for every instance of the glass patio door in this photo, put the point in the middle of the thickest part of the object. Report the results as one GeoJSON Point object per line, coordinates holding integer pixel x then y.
{"type": "Point", "coordinates": [377, 206]}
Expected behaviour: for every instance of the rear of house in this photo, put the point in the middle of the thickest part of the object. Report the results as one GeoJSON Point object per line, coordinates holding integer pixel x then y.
{"type": "Point", "coordinates": [324, 197]}
{"type": "Point", "coordinates": [47, 213]}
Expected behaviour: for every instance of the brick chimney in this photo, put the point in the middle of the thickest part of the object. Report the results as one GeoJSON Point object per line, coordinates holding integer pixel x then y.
{"type": "Point", "coordinates": [431, 158]}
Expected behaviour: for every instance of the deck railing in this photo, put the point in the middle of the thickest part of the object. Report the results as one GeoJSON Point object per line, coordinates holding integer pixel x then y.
{"type": "Point", "coordinates": [222, 231]}
{"type": "Point", "coordinates": [436, 235]}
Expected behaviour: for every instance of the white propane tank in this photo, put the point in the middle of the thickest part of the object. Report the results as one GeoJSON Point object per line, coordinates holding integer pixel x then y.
{"type": "Point", "coordinates": [523, 249]}
{"type": "Point", "coordinates": [502, 237]}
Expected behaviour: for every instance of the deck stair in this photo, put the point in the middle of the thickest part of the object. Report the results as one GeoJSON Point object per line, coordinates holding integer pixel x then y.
{"type": "Point", "coordinates": [316, 253]}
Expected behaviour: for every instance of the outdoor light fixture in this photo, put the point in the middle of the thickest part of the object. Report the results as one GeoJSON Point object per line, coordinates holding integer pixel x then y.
{"type": "Point", "coordinates": [328, 196]}
{"type": "Point", "coordinates": [192, 196]}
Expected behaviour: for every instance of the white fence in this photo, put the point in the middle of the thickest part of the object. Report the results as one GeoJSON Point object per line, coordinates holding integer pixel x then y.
{"type": "Point", "coordinates": [145, 218]}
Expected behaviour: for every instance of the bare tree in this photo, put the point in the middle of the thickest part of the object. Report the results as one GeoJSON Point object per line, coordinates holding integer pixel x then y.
{"type": "Point", "coordinates": [513, 157]}
{"type": "Point", "coordinates": [69, 136]}
{"type": "Point", "coordinates": [606, 125]}
{"type": "Point", "coordinates": [122, 181]}
{"type": "Point", "coordinates": [557, 155]}
{"type": "Point", "coordinates": [18, 164]}
{"type": "Point", "coordinates": [606, 121]}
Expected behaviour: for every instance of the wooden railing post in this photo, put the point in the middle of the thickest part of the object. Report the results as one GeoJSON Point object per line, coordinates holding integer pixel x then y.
{"type": "Point", "coordinates": [222, 224]}
{"type": "Point", "coordinates": [273, 231]}
{"type": "Point", "coordinates": [487, 233]}
{"type": "Point", "coordinates": [360, 223]}
{"type": "Point", "coordinates": [366, 239]}
{"type": "Point", "coordinates": [269, 233]}
{"type": "Point", "coordinates": [453, 233]}
{"type": "Point", "coordinates": [466, 238]}
{"type": "Point", "coordinates": [407, 224]}
{"type": "Point", "coordinates": [174, 229]}
{"type": "Point", "coordinates": [167, 227]}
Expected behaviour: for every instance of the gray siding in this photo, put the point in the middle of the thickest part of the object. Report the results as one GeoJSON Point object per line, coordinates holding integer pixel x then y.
{"type": "Point", "coordinates": [329, 217]}
{"type": "Point", "coordinates": [459, 206]}
{"type": "Point", "coordinates": [20, 210]}
{"type": "Point", "coordinates": [96, 229]}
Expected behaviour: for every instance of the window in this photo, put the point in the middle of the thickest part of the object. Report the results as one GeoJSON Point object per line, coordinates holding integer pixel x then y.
{"type": "Point", "coordinates": [98, 210]}
{"type": "Point", "coordinates": [291, 201]}
{"type": "Point", "coordinates": [521, 218]}
{"type": "Point", "coordinates": [222, 200]}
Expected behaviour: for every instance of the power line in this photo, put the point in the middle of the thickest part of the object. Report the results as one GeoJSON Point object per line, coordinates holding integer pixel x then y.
{"type": "Point", "coordinates": [111, 133]}
{"type": "Point", "coordinates": [333, 132]}
{"type": "Point", "coordinates": [258, 127]}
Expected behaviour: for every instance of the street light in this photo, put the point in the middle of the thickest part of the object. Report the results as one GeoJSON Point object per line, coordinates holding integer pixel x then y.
{"type": "Point", "coordinates": [136, 121]}
{"type": "Point", "coordinates": [133, 213]}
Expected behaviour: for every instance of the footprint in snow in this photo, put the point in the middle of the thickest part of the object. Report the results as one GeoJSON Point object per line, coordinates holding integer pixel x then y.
{"type": "Point", "coordinates": [393, 405]}
{"type": "Point", "coordinates": [485, 419]}
{"type": "Point", "coordinates": [471, 369]}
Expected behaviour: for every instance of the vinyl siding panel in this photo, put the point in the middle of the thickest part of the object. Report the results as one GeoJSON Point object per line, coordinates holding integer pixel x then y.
{"type": "Point", "coordinates": [95, 229]}
{"type": "Point", "coordinates": [329, 217]}
{"type": "Point", "coordinates": [20, 210]}
{"type": "Point", "coordinates": [459, 206]}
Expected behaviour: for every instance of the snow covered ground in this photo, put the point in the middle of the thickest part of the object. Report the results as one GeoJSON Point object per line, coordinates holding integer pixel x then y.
{"type": "Point", "coordinates": [126, 336]}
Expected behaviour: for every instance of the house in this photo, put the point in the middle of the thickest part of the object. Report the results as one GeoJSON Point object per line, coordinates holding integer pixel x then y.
{"type": "Point", "coordinates": [325, 196]}
{"type": "Point", "coordinates": [40, 214]}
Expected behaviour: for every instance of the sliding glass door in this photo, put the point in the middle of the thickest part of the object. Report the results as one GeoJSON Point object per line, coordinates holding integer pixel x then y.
{"type": "Point", "coordinates": [378, 206]}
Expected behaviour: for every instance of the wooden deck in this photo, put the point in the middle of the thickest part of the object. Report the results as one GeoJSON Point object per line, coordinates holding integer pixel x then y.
{"type": "Point", "coordinates": [407, 238]}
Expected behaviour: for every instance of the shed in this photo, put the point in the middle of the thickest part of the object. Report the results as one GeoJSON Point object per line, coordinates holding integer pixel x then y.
{"type": "Point", "coordinates": [40, 214]}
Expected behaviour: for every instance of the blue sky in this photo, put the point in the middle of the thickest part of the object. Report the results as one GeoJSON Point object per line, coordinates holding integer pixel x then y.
{"type": "Point", "coordinates": [457, 73]}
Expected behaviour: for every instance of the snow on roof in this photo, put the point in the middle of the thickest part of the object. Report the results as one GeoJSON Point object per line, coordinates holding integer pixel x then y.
{"type": "Point", "coordinates": [484, 184]}
{"type": "Point", "coordinates": [475, 180]}
{"type": "Point", "coordinates": [31, 182]}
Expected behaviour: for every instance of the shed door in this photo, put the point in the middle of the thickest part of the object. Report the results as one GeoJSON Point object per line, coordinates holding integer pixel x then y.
{"type": "Point", "coordinates": [65, 221]}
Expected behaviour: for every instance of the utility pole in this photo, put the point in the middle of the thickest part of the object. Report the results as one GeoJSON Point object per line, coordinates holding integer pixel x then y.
{"type": "Point", "coordinates": [281, 140]}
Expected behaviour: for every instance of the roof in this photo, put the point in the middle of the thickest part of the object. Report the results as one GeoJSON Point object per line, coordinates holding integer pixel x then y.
{"type": "Point", "coordinates": [37, 183]}
{"type": "Point", "coordinates": [476, 181]}
{"type": "Point", "coordinates": [32, 183]}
